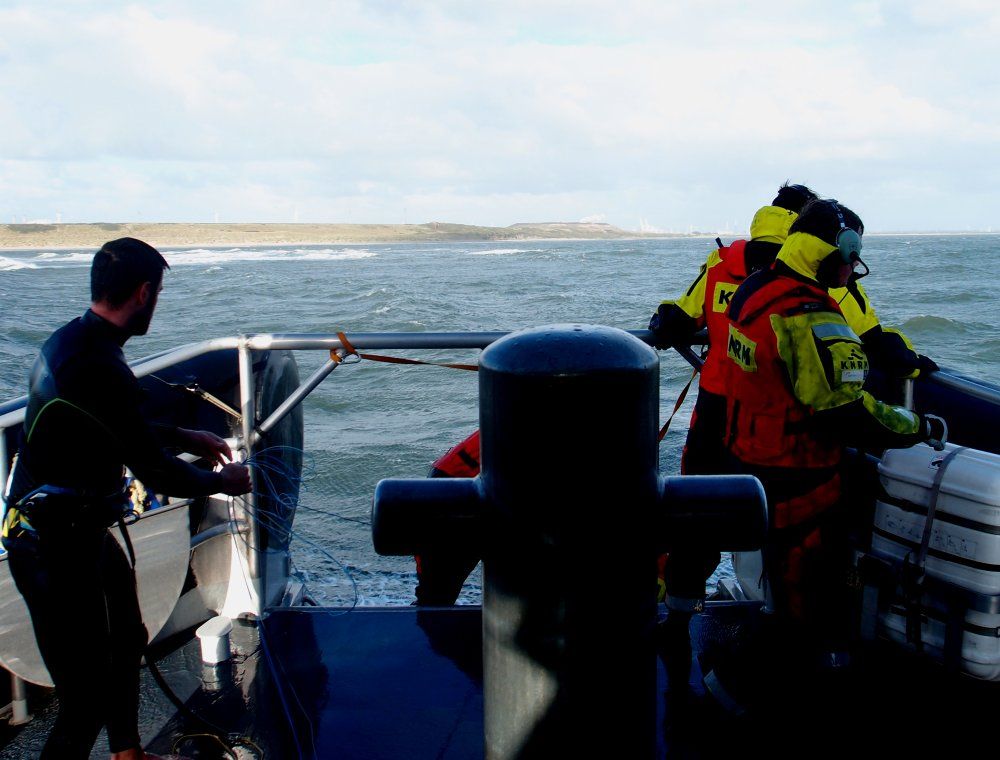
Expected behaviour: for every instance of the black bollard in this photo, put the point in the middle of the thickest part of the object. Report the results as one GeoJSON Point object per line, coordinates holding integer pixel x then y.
{"type": "Point", "coordinates": [568, 512]}
{"type": "Point", "coordinates": [568, 419]}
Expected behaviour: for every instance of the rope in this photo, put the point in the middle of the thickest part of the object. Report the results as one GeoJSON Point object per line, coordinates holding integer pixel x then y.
{"type": "Point", "coordinates": [196, 390]}
{"type": "Point", "coordinates": [277, 676]}
{"type": "Point", "coordinates": [270, 471]}
{"type": "Point", "coordinates": [217, 733]}
{"type": "Point", "coordinates": [680, 400]}
{"type": "Point", "coordinates": [352, 351]}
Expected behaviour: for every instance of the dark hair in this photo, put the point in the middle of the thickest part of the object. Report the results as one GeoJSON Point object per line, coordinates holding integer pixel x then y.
{"type": "Point", "coordinates": [793, 197]}
{"type": "Point", "coordinates": [822, 218]}
{"type": "Point", "coordinates": [121, 266]}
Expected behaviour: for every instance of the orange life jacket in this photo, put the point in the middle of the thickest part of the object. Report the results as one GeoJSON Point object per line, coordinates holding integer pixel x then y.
{"type": "Point", "coordinates": [767, 426]}
{"type": "Point", "coordinates": [461, 461]}
{"type": "Point", "coordinates": [721, 282]}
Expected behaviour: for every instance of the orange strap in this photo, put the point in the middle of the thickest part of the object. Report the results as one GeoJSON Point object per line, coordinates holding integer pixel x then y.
{"type": "Point", "coordinates": [351, 350]}
{"type": "Point", "coordinates": [680, 400]}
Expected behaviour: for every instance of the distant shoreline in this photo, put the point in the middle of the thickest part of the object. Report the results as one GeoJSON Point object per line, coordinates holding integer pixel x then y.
{"type": "Point", "coordinates": [72, 236]}
{"type": "Point", "coordinates": [58, 237]}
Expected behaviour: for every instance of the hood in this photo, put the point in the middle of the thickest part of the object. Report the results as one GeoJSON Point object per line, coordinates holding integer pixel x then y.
{"type": "Point", "coordinates": [770, 224]}
{"type": "Point", "coordinates": [803, 252]}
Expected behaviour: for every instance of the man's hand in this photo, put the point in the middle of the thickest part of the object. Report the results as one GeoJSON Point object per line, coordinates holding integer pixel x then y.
{"type": "Point", "coordinates": [235, 479]}
{"type": "Point", "coordinates": [205, 444]}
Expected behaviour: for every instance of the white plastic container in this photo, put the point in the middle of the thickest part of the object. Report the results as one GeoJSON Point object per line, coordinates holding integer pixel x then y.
{"type": "Point", "coordinates": [214, 637]}
{"type": "Point", "coordinates": [980, 642]}
{"type": "Point", "coordinates": [964, 547]}
{"type": "Point", "coordinates": [963, 551]}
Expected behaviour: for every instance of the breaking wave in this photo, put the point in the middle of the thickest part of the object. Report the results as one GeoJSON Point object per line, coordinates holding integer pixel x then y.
{"type": "Point", "coordinates": [9, 265]}
{"type": "Point", "coordinates": [196, 257]}
{"type": "Point", "coordinates": [203, 256]}
{"type": "Point", "coordinates": [504, 251]}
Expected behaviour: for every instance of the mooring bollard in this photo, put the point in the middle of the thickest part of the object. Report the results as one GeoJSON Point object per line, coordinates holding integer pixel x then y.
{"type": "Point", "coordinates": [569, 515]}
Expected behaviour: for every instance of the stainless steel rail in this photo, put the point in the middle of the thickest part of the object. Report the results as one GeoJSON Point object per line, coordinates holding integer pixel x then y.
{"type": "Point", "coordinates": [13, 413]}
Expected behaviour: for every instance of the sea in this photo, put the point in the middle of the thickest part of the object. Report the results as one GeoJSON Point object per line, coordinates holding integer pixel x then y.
{"type": "Point", "coordinates": [370, 421]}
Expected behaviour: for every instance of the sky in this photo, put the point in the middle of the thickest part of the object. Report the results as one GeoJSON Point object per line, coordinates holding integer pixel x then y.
{"type": "Point", "coordinates": [673, 116]}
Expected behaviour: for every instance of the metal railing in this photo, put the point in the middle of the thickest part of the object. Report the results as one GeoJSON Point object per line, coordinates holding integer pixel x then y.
{"type": "Point", "coordinates": [12, 412]}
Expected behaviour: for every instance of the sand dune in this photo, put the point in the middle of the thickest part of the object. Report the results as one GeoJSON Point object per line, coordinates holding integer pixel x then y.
{"type": "Point", "coordinates": [207, 235]}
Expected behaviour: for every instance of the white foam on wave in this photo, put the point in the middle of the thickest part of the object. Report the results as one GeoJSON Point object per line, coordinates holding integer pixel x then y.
{"type": "Point", "coordinates": [9, 265]}
{"type": "Point", "coordinates": [504, 251]}
{"type": "Point", "coordinates": [54, 259]}
{"type": "Point", "coordinates": [203, 256]}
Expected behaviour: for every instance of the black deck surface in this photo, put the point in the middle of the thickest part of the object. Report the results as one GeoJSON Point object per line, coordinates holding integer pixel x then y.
{"type": "Point", "coordinates": [406, 683]}
{"type": "Point", "coordinates": [367, 684]}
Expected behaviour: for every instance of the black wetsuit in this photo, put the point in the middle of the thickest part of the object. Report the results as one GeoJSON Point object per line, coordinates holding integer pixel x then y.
{"type": "Point", "coordinates": [82, 425]}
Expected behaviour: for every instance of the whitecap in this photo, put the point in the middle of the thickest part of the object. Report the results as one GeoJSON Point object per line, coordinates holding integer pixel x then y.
{"type": "Point", "coordinates": [76, 257]}
{"type": "Point", "coordinates": [345, 254]}
{"type": "Point", "coordinates": [202, 256]}
{"type": "Point", "coordinates": [55, 259]}
{"type": "Point", "coordinates": [8, 265]}
{"type": "Point", "coordinates": [503, 251]}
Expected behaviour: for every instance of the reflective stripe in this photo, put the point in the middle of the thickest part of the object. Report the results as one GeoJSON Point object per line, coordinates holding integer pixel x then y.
{"type": "Point", "coordinates": [826, 330]}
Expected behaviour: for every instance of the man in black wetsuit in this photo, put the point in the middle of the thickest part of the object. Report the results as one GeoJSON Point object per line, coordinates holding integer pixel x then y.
{"type": "Point", "coordinates": [81, 427]}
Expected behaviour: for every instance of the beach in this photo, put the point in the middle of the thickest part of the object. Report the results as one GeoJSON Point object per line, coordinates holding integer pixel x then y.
{"type": "Point", "coordinates": [68, 236]}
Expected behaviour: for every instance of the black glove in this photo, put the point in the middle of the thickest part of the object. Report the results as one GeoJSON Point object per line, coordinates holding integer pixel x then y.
{"type": "Point", "coordinates": [656, 326]}
{"type": "Point", "coordinates": [926, 365]}
{"type": "Point", "coordinates": [934, 430]}
{"type": "Point", "coordinates": [671, 326]}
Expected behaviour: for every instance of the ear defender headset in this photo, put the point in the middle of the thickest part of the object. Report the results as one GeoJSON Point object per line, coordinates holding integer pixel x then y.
{"type": "Point", "coordinates": [848, 243]}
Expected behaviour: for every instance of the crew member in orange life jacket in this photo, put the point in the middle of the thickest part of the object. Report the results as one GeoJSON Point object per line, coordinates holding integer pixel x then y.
{"type": "Point", "coordinates": [705, 304]}
{"type": "Point", "coordinates": [795, 372]}
{"type": "Point", "coordinates": [440, 574]}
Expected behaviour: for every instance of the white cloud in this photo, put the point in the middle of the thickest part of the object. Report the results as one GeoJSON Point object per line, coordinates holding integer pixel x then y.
{"type": "Point", "coordinates": [681, 113]}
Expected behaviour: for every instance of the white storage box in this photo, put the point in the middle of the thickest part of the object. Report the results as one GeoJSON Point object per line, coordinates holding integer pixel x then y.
{"type": "Point", "coordinates": [964, 547]}
{"type": "Point", "coordinates": [980, 656]}
{"type": "Point", "coordinates": [963, 550]}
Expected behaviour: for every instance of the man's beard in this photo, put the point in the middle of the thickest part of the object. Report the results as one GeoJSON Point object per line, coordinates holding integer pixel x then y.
{"type": "Point", "coordinates": [139, 322]}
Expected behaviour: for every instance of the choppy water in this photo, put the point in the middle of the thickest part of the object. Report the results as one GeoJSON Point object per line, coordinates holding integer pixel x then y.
{"type": "Point", "coordinates": [372, 421]}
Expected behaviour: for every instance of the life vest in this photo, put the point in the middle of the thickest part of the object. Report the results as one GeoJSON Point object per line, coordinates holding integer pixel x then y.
{"type": "Point", "coordinates": [461, 461]}
{"type": "Point", "coordinates": [441, 573]}
{"type": "Point", "coordinates": [721, 281]}
{"type": "Point", "coordinates": [767, 426]}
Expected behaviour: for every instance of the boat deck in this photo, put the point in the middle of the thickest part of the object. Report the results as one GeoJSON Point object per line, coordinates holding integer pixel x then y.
{"type": "Point", "coordinates": [407, 683]}
{"type": "Point", "coordinates": [378, 683]}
